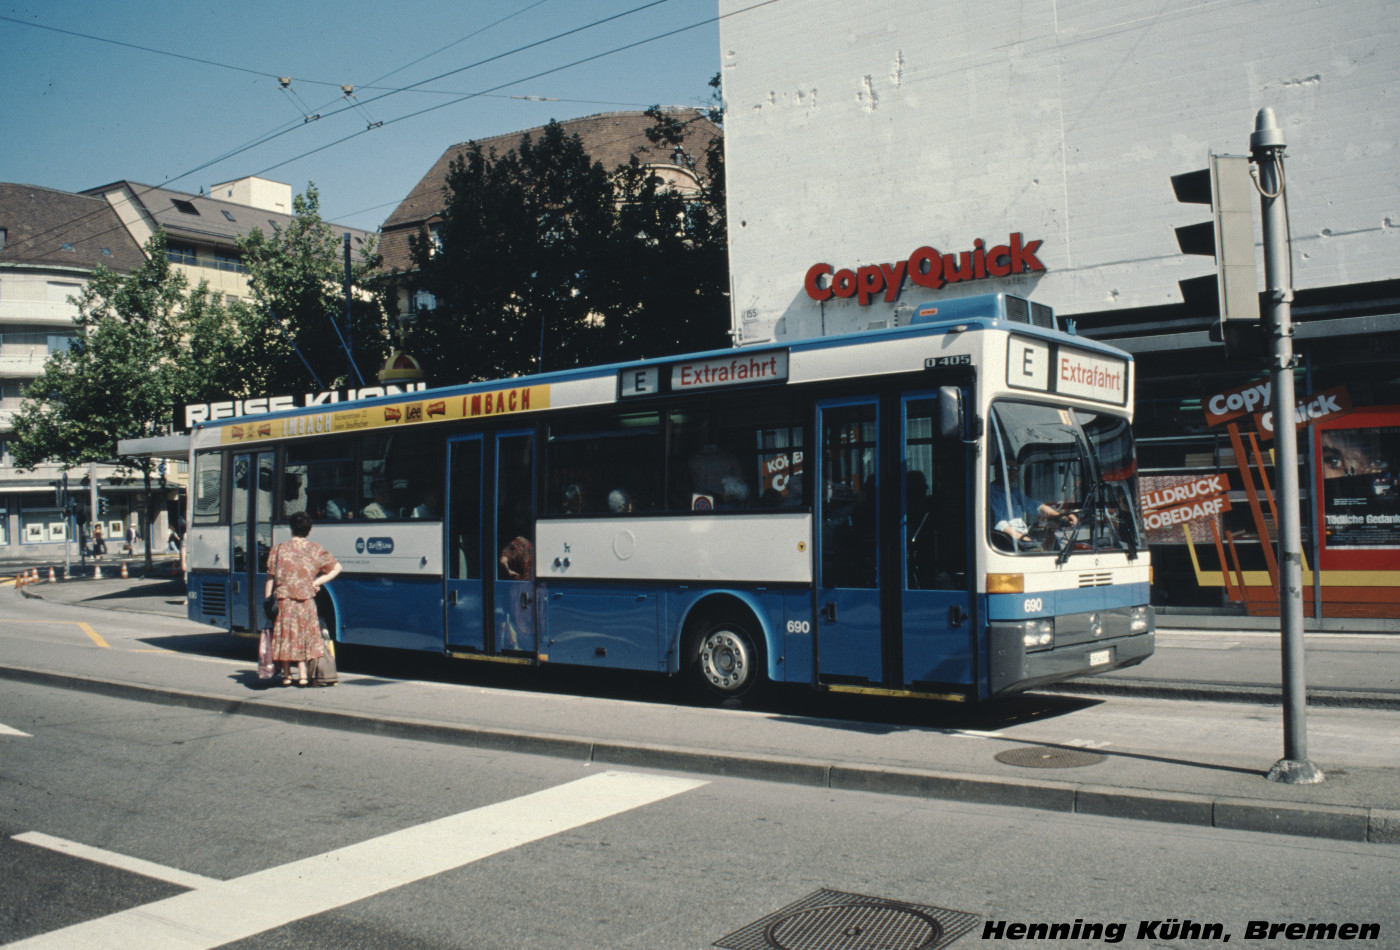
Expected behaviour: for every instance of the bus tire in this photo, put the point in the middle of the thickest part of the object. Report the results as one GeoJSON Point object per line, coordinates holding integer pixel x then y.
{"type": "Point", "coordinates": [727, 663]}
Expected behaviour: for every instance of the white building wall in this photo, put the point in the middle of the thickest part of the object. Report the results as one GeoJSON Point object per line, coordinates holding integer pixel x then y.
{"type": "Point", "coordinates": [854, 134]}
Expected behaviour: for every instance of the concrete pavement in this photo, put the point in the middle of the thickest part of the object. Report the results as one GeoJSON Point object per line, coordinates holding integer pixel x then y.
{"type": "Point", "coordinates": [1195, 763]}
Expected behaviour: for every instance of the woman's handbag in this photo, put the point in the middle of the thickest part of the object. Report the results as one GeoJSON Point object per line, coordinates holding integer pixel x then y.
{"type": "Point", "coordinates": [265, 663]}
{"type": "Point", "coordinates": [270, 608]}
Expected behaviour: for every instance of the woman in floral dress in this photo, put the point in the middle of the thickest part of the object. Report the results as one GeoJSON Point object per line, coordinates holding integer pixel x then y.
{"type": "Point", "coordinates": [296, 570]}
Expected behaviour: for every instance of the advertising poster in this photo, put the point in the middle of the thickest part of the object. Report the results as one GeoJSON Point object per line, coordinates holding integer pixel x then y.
{"type": "Point", "coordinates": [1360, 494]}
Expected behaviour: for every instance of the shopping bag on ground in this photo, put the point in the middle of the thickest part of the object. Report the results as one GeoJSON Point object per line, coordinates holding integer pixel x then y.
{"type": "Point", "coordinates": [265, 655]}
{"type": "Point", "coordinates": [323, 671]}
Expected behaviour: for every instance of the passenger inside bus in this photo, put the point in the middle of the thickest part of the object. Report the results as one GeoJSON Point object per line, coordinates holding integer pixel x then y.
{"type": "Point", "coordinates": [383, 504]}
{"type": "Point", "coordinates": [430, 508]}
{"type": "Point", "coordinates": [1008, 507]}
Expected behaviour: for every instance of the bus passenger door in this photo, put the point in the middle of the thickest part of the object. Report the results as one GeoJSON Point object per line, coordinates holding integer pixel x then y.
{"type": "Point", "coordinates": [462, 563]}
{"type": "Point", "coordinates": [848, 542]}
{"type": "Point", "coordinates": [513, 593]}
{"type": "Point", "coordinates": [250, 538]}
{"type": "Point", "coordinates": [935, 597]}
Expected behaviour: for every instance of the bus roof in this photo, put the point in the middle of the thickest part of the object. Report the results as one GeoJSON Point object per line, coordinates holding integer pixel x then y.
{"type": "Point", "coordinates": [958, 315]}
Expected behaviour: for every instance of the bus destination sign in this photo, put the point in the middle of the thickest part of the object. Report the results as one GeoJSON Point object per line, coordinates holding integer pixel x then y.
{"type": "Point", "coordinates": [1052, 368]}
{"type": "Point", "coordinates": [744, 370]}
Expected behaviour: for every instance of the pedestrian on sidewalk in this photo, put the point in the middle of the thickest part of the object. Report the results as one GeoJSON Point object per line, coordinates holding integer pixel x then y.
{"type": "Point", "coordinates": [99, 544]}
{"type": "Point", "coordinates": [296, 570]}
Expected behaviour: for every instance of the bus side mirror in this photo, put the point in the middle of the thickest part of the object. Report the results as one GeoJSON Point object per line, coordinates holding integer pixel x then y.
{"type": "Point", "coordinates": [950, 412]}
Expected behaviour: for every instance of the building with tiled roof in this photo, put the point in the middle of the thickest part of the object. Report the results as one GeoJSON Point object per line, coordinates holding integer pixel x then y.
{"type": "Point", "coordinates": [50, 244]}
{"type": "Point", "coordinates": [610, 138]}
{"type": "Point", "coordinates": [202, 230]}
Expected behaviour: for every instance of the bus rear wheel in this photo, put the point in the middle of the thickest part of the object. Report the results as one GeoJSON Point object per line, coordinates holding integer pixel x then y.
{"type": "Point", "coordinates": [726, 661]}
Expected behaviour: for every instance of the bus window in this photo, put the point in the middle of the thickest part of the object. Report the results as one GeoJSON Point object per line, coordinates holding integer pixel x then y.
{"type": "Point", "coordinates": [325, 472]}
{"type": "Point", "coordinates": [850, 520]}
{"type": "Point", "coordinates": [401, 475]}
{"type": "Point", "coordinates": [608, 463]}
{"type": "Point", "coordinates": [1038, 476]}
{"type": "Point", "coordinates": [1119, 524]}
{"type": "Point", "coordinates": [935, 504]}
{"type": "Point", "coordinates": [735, 457]}
{"type": "Point", "coordinates": [208, 488]}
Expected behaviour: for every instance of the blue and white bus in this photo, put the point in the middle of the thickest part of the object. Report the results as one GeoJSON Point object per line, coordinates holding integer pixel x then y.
{"type": "Point", "coordinates": [947, 508]}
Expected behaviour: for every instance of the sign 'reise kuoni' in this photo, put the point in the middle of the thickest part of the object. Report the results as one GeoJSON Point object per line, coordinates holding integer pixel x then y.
{"type": "Point", "coordinates": [926, 267]}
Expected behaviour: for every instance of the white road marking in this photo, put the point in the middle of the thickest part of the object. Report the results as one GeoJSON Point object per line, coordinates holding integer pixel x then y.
{"type": "Point", "coordinates": [112, 859]}
{"type": "Point", "coordinates": [7, 731]}
{"type": "Point", "coordinates": [222, 912]}
{"type": "Point", "coordinates": [1087, 743]}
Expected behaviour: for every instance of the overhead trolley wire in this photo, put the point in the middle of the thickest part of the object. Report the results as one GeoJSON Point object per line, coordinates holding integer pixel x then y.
{"type": "Point", "coordinates": [33, 240]}
{"type": "Point", "coordinates": [288, 127]}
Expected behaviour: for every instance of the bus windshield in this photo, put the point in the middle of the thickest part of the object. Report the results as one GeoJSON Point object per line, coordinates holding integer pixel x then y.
{"type": "Point", "coordinates": [1060, 481]}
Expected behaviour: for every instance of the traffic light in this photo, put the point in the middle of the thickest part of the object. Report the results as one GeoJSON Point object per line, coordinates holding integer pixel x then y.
{"type": "Point", "coordinates": [102, 507]}
{"type": "Point", "coordinates": [1226, 186]}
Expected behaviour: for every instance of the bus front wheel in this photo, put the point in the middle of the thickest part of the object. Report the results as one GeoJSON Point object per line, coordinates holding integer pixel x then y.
{"type": "Point", "coordinates": [726, 661]}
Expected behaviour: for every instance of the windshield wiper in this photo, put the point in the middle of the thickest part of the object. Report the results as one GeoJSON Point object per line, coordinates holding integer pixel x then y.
{"type": "Point", "coordinates": [1091, 510]}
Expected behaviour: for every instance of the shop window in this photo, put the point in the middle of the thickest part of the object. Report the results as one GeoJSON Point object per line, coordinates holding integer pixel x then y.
{"type": "Point", "coordinates": [42, 524]}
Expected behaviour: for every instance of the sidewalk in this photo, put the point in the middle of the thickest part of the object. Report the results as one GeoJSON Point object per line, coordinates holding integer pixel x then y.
{"type": "Point", "coordinates": [1197, 763]}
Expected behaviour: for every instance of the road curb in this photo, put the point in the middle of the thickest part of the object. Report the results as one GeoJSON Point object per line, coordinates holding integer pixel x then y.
{"type": "Point", "coordinates": [1221, 693]}
{"type": "Point", "coordinates": [1346, 823]}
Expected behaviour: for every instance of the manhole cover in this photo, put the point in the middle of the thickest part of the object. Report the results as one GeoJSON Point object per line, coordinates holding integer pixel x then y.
{"type": "Point", "coordinates": [832, 920]}
{"type": "Point", "coordinates": [1048, 757]}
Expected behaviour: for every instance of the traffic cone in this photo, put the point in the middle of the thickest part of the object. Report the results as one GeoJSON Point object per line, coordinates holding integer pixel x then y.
{"type": "Point", "coordinates": [33, 575]}
{"type": "Point", "coordinates": [53, 578]}
{"type": "Point", "coordinates": [97, 572]}
{"type": "Point", "coordinates": [19, 579]}
{"type": "Point", "coordinates": [124, 569]}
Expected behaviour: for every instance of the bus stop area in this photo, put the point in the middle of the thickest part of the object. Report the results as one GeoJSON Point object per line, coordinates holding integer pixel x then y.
{"type": "Point", "coordinates": [1187, 738]}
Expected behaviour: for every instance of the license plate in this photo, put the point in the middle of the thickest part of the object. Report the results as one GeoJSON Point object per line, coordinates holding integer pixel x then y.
{"type": "Point", "coordinates": [1100, 657]}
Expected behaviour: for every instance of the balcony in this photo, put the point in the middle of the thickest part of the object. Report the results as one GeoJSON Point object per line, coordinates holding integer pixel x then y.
{"type": "Point", "coordinates": [25, 366]}
{"type": "Point", "coordinates": [37, 312]}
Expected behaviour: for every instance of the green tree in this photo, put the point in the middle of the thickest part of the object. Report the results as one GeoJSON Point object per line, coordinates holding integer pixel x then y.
{"type": "Point", "coordinates": [126, 371]}
{"type": "Point", "coordinates": [541, 260]}
{"type": "Point", "coordinates": [669, 289]}
{"type": "Point", "coordinates": [293, 328]}
{"type": "Point", "coordinates": [512, 261]}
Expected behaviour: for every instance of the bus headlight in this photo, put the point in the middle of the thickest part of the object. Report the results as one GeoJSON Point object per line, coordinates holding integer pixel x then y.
{"type": "Point", "coordinates": [1138, 620]}
{"type": "Point", "coordinates": [1038, 634]}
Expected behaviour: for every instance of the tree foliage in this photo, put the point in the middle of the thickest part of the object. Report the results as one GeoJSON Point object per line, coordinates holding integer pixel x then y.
{"type": "Point", "coordinates": [294, 324]}
{"type": "Point", "coordinates": [542, 260]}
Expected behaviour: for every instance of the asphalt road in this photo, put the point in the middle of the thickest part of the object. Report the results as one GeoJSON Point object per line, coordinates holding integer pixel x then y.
{"type": "Point", "coordinates": [261, 834]}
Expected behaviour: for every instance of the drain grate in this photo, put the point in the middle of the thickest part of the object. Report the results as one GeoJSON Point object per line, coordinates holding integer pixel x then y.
{"type": "Point", "coordinates": [833, 920]}
{"type": "Point", "coordinates": [1048, 757]}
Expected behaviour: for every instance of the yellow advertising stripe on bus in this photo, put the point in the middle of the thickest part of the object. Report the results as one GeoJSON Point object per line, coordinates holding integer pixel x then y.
{"type": "Point", "coordinates": [510, 400]}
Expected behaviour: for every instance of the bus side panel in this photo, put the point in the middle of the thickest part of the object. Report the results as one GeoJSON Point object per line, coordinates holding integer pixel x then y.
{"type": "Point", "coordinates": [400, 612]}
{"type": "Point", "coordinates": [596, 625]}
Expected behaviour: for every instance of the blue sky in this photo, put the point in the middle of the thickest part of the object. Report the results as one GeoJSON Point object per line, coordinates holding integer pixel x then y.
{"type": "Point", "coordinates": [79, 112]}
